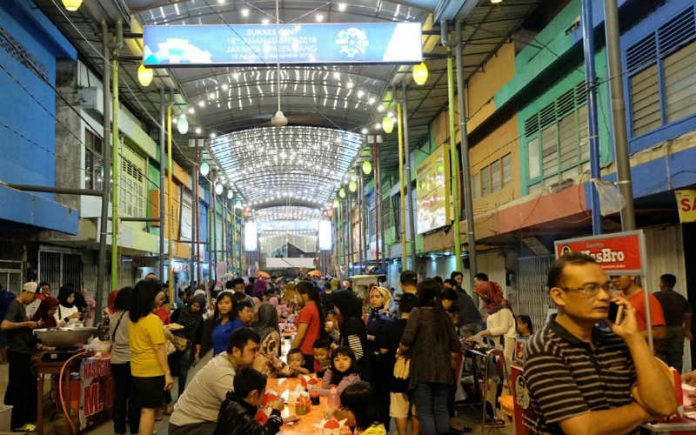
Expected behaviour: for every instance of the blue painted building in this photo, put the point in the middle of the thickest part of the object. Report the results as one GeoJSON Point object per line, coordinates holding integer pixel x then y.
{"type": "Point", "coordinates": [30, 49]}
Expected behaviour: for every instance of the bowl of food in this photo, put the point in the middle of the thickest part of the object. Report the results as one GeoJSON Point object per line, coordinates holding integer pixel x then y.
{"type": "Point", "coordinates": [64, 337]}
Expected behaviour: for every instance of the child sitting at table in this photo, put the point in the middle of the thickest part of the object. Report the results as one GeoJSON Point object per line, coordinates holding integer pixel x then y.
{"type": "Point", "coordinates": [296, 362]}
{"type": "Point", "coordinates": [343, 371]}
{"type": "Point", "coordinates": [238, 411]}
{"type": "Point", "coordinates": [361, 409]}
{"type": "Point", "coordinates": [321, 357]}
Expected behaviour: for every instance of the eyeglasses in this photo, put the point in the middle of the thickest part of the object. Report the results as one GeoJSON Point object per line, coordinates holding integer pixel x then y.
{"type": "Point", "coordinates": [592, 289]}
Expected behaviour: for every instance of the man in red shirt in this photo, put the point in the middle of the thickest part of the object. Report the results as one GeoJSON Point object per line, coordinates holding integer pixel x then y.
{"type": "Point", "coordinates": [636, 296]}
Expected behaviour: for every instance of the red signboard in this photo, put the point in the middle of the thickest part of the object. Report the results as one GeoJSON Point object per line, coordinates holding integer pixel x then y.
{"type": "Point", "coordinates": [617, 252]}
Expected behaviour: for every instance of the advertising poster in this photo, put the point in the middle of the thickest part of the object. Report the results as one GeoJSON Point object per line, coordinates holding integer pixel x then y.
{"type": "Point", "coordinates": [432, 191]}
{"type": "Point", "coordinates": [615, 252]}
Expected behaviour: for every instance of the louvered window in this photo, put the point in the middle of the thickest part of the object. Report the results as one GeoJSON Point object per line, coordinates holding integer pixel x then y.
{"type": "Point", "coordinates": [477, 185]}
{"type": "Point", "coordinates": [557, 135]}
{"type": "Point", "coordinates": [669, 52]}
{"type": "Point", "coordinates": [132, 192]}
{"type": "Point", "coordinates": [486, 180]}
{"type": "Point", "coordinates": [507, 169]}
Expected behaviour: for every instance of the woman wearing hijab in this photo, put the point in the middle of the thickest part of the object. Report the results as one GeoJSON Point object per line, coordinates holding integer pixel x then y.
{"type": "Point", "coordinates": [269, 349]}
{"type": "Point", "coordinates": [191, 318]}
{"type": "Point", "coordinates": [67, 314]}
{"type": "Point", "coordinates": [500, 322]}
{"type": "Point", "coordinates": [45, 314]}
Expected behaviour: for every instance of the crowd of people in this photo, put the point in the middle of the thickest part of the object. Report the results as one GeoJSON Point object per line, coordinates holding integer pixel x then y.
{"type": "Point", "coordinates": [390, 356]}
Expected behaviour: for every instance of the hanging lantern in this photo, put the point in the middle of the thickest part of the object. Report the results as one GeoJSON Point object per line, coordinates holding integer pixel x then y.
{"type": "Point", "coordinates": [352, 186]}
{"type": "Point", "coordinates": [336, 203]}
{"type": "Point", "coordinates": [388, 124]}
{"type": "Point", "coordinates": [367, 167]}
{"type": "Point", "coordinates": [420, 73]}
{"type": "Point", "coordinates": [182, 124]}
{"type": "Point", "coordinates": [342, 193]}
{"type": "Point", "coordinates": [72, 5]}
{"type": "Point", "coordinates": [145, 75]}
{"type": "Point", "coordinates": [230, 194]}
{"type": "Point", "coordinates": [205, 169]}
{"type": "Point", "coordinates": [219, 189]}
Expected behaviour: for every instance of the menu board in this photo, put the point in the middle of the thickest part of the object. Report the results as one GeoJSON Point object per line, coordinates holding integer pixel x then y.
{"type": "Point", "coordinates": [432, 191]}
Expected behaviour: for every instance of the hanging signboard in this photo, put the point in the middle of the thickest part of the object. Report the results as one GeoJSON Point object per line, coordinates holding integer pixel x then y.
{"type": "Point", "coordinates": [686, 203]}
{"type": "Point", "coordinates": [617, 253]}
{"type": "Point", "coordinates": [260, 44]}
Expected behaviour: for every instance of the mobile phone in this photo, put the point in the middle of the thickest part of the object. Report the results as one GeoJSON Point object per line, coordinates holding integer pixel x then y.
{"type": "Point", "coordinates": [613, 311]}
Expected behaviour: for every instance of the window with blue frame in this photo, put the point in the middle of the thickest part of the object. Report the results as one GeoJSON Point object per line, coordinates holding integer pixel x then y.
{"type": "Point", "coordinates": [661, 70]}
{"type": "Point", "coordinates": [556, 136]}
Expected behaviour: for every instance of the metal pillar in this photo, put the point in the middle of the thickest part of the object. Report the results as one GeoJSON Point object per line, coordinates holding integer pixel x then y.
{"type": "Point", "coordinates": [213, 273]}
{"type": "Point", "coordinates": [194, 212]}
{"type": "Point", "coordinates": [170, 206]}
{"type": "Point", "coordinates": [402, 213]}
{"type": "Point", "coordinates": [466, 171]}
{"type": "Point", "coordinates": [197, 229]}
{"type": "Point", "coordinates": [106, 178]}
{"type": "Point", "coordinates": [454, 164]}
{"type": "Point", "coordinates": [116, 158]}
{"type": "Point", "coordinates": [409, 183]}
{"type": "Point", "coordinates": [375, 176]}
{"type": "Point", "coordinates": [349, 212]}
{"type": "Point", "coordinates": [591, 84]}
{"type": "Point", "coordinates": [162, 213]}
{"type": "Point", "coordinates": [618, 112]}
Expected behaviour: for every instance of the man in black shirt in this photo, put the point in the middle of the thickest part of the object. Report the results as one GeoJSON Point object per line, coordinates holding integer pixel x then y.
{"type": "Point", "coordinates": [678, 317]}
{"type": "Point", "coordinates": [469, 317]}
{"type": "Point", "coordinates": [580, 375]}
{"type": "Point", "coordinates": [21, 387]}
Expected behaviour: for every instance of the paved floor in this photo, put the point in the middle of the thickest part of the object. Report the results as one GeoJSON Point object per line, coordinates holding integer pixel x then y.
{"type": "Point", "coordinates": [467, 418]}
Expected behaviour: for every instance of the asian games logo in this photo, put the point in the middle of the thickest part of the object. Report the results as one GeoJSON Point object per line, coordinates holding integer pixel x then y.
{"type": "Point", "coordinates": [352, 41]}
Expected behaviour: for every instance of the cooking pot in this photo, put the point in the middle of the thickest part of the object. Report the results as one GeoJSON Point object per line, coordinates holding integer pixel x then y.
{"type": "Point", "coordinates": [64, 337]}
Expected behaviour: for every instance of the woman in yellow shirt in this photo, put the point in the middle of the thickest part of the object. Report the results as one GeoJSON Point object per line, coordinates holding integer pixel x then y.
{"type": "Point", "coordinates": [149, 365]}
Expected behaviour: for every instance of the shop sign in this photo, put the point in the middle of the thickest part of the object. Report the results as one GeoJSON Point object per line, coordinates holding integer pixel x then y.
{"type": "Point", "coordinates": [522, 403]}
{"type": "Point", "coordinates": [96, 389]}
{"type": "Point", "coordinates": [686, 204]}
{"type": "Point", "coordinates": [616, 253]}
{"type": "Point", "coordinates": [258, 44]}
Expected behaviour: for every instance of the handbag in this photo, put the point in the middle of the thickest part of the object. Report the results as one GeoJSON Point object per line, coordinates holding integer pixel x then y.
{"type": "Point", "coordinates": [402, 370]}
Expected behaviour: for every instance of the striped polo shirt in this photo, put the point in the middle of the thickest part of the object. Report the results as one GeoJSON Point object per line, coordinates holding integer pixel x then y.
{"type": "Point", "coordinates": [567, 377]}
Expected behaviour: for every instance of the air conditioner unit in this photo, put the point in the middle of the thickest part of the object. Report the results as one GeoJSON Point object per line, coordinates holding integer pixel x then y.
{"type": "Point", "coordinates": [91, 99]}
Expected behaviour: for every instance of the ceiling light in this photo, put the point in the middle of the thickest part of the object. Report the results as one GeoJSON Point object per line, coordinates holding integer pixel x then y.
{"type": "Point", "coordinates": [352, 186]}
{"type": "Point", "coordinates": [361, 93]}
{"type": "Point", "coordinates": [265, 21]}
{"type": "Point", "coordinates": [350, 85]}
{"type": "Point", "coordinates": [279, 119]}
{"type": "Point", "coordinates": [145, 74]}
{"type": "Point", "coordinates": [225, 86]}
{"type": "Point", "coordinates": [367, 167]}
{"type": "Point", "coordinates": [219, 189]}
{"type": "Point", "coordinates": [72, 5]}
{"type": "Point", "coordinates": [245, 12]}
{"type": "Point", "coordinates": [371, 101]}
{"type": "Point", "coordinates": [337, 75]}
{"type": "Point", "coordinates": [342, 193]}
{"type": "Point", "coordinates": [205, 169]}
{"type": "Point", "coordinates": [341, 7]}
{"type": "Point", "coordinates": [319, 17]}
{"type": "Point", "coordinates": [495, 2]}
{"type": "Point", "coordinates": [213, 135]}
{"type": "Point", "coordinates": [198, 130]}
{"type": "Point", "coordinates": [191, 110]}
{"type": "Point", "coordinates": [336, 203]}
{"type": "Point", "coordinates": [388, 124]}
{"type": "Point", "coordinates": [364, 130]}
{"type": "Point", "coordinates": [420, 73]}
{"type": "Point", "coordinates": [182, 124]}
{"type": "Point", "coordinates": [378, 126]}
{"type": "Point", "coordinates": [201, 103]}
{"type": "Point", "coordinates": [230, 194]}
{"type": "Point", "coordinates": [380, 108]}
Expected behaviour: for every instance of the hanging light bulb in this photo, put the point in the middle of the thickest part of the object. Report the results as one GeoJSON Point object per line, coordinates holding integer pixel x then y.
{"type": "Point", "coordinates": [205, 169]}
{"type": "Point", "coordinates": [182, 124]}
{"type": "Point", "coordinates": [420, 73]}
{"type": "Point", "coordinates": [72, 5]}
{"type": "Point", "coordinates": [342, 193]}
{"type": "Point", "coordinates": [230, 194]}
{"type": "Point", "coordinates": [352, 186]}
{"type": "Point", "coordinates": [218, 189]}
{"type": "Point", "coordinates": [145, 75]}
{"type": "Point", "coordinates": [388, 124]}
{"type": "Point", "coordinates": [367, 167]}
{"type": "Point", "coordinates": [336, 203]}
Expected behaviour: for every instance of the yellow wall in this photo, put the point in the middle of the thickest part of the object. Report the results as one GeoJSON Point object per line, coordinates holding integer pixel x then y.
{"type": "Point", "coordinates": [500, 142]}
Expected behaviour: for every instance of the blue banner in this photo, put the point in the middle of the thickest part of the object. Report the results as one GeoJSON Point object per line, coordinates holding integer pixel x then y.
{"type": "Point", "coordinates": [293, 43]}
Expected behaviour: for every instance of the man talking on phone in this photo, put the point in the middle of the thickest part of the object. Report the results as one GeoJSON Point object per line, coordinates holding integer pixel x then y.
{"type": "Point", "coordinates": [580, 368]}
